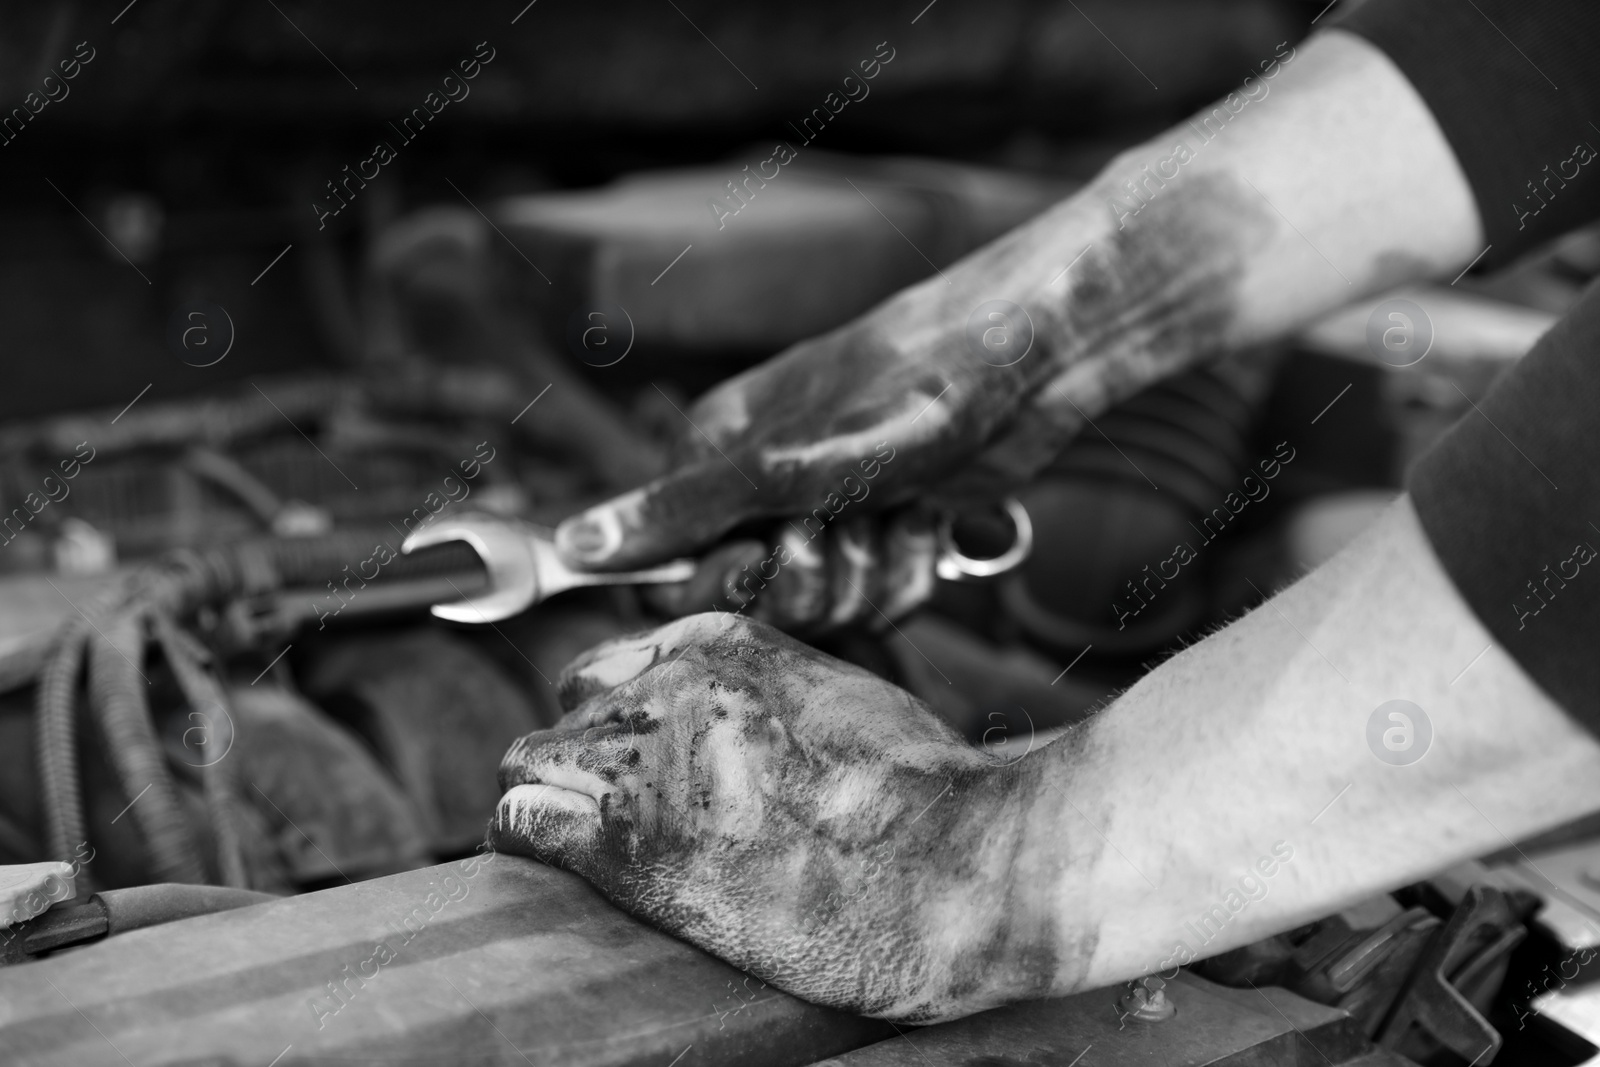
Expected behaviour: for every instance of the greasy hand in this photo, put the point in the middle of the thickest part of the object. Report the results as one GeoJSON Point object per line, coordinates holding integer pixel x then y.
{"type": "Point", "coordinates": [936, 394]}
{"type": "Point", "coordinates": [793, 814]}
{"type": "Point", "coordinates": [871, 415]}
{"type": "Point", "coordinates": [810, 579]}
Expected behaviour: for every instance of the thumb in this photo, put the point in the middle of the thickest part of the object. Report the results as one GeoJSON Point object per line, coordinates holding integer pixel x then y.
{"type": "Point", "coordinates": [558, 826]}
{"type": "Point", "coordinates": [673, 515]}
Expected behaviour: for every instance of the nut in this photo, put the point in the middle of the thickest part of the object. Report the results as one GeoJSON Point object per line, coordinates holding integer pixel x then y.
{"type": "Point", "coordinates": [1146, 1000]}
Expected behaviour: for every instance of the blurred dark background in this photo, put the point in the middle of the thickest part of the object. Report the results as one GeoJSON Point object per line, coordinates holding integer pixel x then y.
{"type": "Point", "coordinates": [201, 132]}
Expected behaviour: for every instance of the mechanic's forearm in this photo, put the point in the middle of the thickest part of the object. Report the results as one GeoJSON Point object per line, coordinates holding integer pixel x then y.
{"type": "Point", "coordinates": [1294, 196]}
{"type": "Point", "coordinates": [1233, 792]}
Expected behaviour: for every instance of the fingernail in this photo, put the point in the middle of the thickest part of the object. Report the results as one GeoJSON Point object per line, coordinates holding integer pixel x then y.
{"type": "Point", "coordinates": [591, 537]}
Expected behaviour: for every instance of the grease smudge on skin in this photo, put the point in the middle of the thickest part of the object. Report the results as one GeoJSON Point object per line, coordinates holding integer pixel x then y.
{"type": "Point", "coordinates": [783, 818]}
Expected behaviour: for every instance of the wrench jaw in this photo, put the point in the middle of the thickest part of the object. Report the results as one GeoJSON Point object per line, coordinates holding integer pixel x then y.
{"type": "Point", "coordinates": [509, 558]}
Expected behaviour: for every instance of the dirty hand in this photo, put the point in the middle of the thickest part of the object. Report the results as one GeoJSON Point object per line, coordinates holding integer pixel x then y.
{"type": "Point", "coordinates": [810, 578]}
{"type": "Point", "coordinates": [793, 814]}
{"type": "Point", "coordinates": [909, 403]}
{"type": "Point", "coordinates": [863, 419]}
{"type": "Point", "coordinates": [950, 393]}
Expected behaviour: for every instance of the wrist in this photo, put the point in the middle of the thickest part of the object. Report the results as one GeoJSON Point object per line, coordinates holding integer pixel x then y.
{"type": "Point", "coordinates": [1091, 306]}
{"type": "Point", "coordinates": [987, 918]}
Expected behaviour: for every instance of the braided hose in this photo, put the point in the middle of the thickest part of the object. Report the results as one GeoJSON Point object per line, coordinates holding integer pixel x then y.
{"type": "Point", "coordinates": [56, 738]}
{"type": "Point", "coordinates": [117, 696]}
{"type": "Point", "coordinates": [224, 802]}
{"type": "Point", "coordinates": [170, 588]}
{"type": "Point", "coordinates": [202, 691]}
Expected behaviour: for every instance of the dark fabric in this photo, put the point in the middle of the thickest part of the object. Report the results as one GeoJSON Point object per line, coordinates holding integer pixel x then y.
{"type": "Point", "coordinates": [1515, 85]}
{"type": "Point", "coordinates": [1510, 496]}
{"type": "Point", "coordinates": [1510, 499]}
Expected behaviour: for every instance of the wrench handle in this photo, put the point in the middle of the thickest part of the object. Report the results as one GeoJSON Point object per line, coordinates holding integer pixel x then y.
{"type": "Point", "coordinates": [678, 570]}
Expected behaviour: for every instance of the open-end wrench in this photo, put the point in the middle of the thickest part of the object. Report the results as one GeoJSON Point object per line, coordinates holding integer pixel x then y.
{"type": "Point", "coordinates": [524, 567]}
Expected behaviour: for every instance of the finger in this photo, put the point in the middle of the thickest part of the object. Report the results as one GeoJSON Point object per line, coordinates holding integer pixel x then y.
{"type": "Point", "coordinates": [910, 548]}
{"type": "Point", "coordinates": [558, 826]}
{"type": "Point", "coordinates": [716, 584]}
{"type": "Point", "coordinates": [722, 413]}
{"type": "Point", "coordinates": [587, 759]}
{"type": "Point", "coordinates": [604, 667]}
{"type": "Point", "coordinates": [563, 787]}
{"type": "Point", "coordinates": [855, 565]}
{"type": "Point", "coordinates": [673, 515]}
{"type": "Point", "coordinates": [797, 596]}
{"type": "Point", "coordinates": [613, 663]}
{"type": "Point", "coordinates": [1035, 437]}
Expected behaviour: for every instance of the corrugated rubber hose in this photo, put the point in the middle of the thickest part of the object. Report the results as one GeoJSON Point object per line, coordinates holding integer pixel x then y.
{"type": "Point", "coordinates": [56, 740]}
{"type": "Point", "coordinates": [114, 631]}
{"type": "Point", "coordinates": [209, 701]}
{"type": "Point", "coordinates": [117, 698]}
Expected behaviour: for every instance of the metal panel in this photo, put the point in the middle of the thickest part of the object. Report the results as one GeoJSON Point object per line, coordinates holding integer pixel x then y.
{"type": "Point", "coordinates": [1214, 1026]}
{"type": "Point", "coordinates": [499, 961]}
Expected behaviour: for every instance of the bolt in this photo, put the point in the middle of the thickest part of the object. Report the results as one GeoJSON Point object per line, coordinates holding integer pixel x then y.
{"type": "Point", "coordinates": [1146, 1000]}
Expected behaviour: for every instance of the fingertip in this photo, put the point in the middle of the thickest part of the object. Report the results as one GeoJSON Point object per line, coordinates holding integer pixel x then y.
{"type": "Point", "coordinates": [591, 538]}
{"type": "Point", "coordinates": [629, 530]}
{"type": "Point", "coordinates": [911, 547]}
{"type": "Point", "coordinates": [855, 559]}
{"type": "Point", "coordinates": [604, 667]}
{"type": "Point", "coordinates": [732, 577]}
{"type": "Point", "coordinates": [799, 595]}
{"type": "Point", "coordinates": [545, 822]}
{"type": "Point", "coordinates": [677, 513]}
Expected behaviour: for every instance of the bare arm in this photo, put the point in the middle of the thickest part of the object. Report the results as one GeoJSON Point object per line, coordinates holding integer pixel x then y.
{"type": "Point", "coordinates": [1258, 736]}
